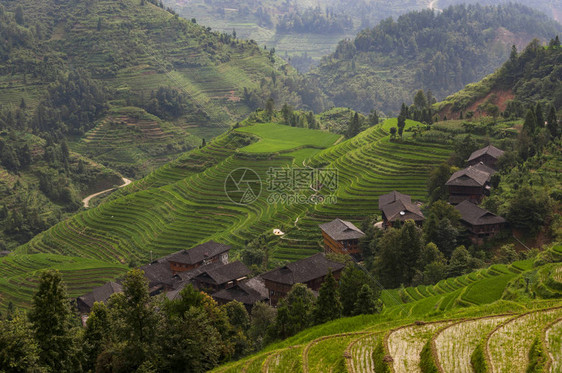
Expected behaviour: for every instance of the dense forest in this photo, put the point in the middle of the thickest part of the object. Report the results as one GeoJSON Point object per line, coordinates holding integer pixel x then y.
{"type": "Point", "coordinates": [441, 52]}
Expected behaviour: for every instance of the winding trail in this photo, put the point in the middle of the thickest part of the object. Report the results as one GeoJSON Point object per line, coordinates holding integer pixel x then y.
{"type": "Point", "coordinates": [86, 201]}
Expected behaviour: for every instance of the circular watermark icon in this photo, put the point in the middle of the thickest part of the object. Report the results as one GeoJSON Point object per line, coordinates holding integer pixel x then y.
{"type": "Point", "coordinates": [243, 186]}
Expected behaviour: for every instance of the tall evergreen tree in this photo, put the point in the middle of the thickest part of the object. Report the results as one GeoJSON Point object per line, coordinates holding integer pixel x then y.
{"type": "Point", "coordinates": [328, 305]}
{"type": "Point", "coordinates": [97, 336]}
{"type": "Point", "coordinates": [366, 302]}
{"type": "Point", "coordinates": [354, 126]}
{"type": "Point", "coordinates": [51, 317]}
{"type": "Point", "coordinates": [19, 15]}
{"type": "Point", "coordinates": [539, 116]}
{"type": "Point", "coordinates": [19, 351]}
{"type": "Point", "coordinates": [530, 124]}
{"type": "Point", "coordinates": [135, 322]}
{"type": "Point", "coordinates": [401, 124]}
{"type": "Point", "coordinates": [295, 311]}
{"type": "Point", "coordinates": [351, 281]}
{"type": "Point", "coordinates": [552, 123]}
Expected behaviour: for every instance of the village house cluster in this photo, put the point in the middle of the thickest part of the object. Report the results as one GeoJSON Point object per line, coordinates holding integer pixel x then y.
{"type": "Point", "coordinates": [207, 268]}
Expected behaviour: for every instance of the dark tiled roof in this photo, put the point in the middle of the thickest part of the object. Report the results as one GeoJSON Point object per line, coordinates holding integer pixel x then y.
{"type": "Point", "coordinates": [392, 197]}
{"type": "Point", "coordinates": [402, 211]}
{"type": "Point", "coordinates": [101, 294]}
{"type": "Point", "coordinates": [158, 272]}
{"type": "Point", "coordinates": [482, 167]}
{"type": "Point", "coordinates": [223, 274]}
{"type": "Point", "coordinates": [248, 292]}
{"type": "Point", "coordinates": [303, 271]}
{"type": "Point", "coordinates": [490, 150]}
{"type": "Point", "coordinates": [341, 230]}
{"type": "Point", "coordinates": [470, 176]}
{"type": "Point", "coordinates": [475, 215]}
{"type": "Point", "coordinates": [187, 276]}
{"type": "Point", "coordinates": [199, 253]}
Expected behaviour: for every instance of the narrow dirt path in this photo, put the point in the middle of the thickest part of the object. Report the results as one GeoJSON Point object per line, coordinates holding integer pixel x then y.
{"type": "Point", "coordinates": [86, 201]}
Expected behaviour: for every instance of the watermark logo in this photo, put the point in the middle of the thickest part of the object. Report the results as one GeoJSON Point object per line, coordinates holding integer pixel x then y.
{"type": "Point", "coordinates": [283, 185]}
{"type": "Point", "coordinates": [243, 186]}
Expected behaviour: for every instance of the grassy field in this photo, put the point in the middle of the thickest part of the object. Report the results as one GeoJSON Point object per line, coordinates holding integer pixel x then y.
{"type": "Point", "coordinates": [280, 138]}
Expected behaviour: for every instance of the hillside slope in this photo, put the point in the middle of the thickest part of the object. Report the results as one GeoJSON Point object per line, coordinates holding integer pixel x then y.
{"type": "Point", "coordinates": [442, 52]}
{"type": "Point", "coordinates": [185, 203]}
{"type": "Point", "coordinates": [305, 31]}
{"type": "Point", "coordinates": [137, 55]}
{"type": "Point", "coordinates": [525, 78]}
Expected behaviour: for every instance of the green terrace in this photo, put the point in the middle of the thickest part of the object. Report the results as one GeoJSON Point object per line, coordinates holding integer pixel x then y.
{"type": "Point", "coordinates": [443, 325]}
{"type": "Point", "coordinates": [184, 202]}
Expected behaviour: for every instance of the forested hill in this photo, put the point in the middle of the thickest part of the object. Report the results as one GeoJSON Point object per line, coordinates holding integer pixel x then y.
{"type": "Point", "coordinates": [441, 52]}
{"type": "Point", "coordinates": [92, 87]}
{"type": "Point", "coordinates": [532, 76]}
{"type": "Point", "coordinates": [134, 71]}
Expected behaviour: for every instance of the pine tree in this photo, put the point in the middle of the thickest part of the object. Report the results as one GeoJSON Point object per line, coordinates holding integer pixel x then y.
{"type": "Point", "coordinates": [97, 335]}
{"type": "Point", "coordinates": [51, 317]}
{"type": "Point", "coordinates": [530, 123]}
{"type": "Point", "coordinates": [135, 321]}
{"type": "Point", "coordinates": [354, 126]}
{"type": "Point", "coordinates": [98, 27]}
{"type": "Point", "coordinates": [351, 281]}
{"type": "Point", "coordinates": [539, 116]}
{"type": "Point", "coordinates": [328, 305]}
{"type": "Point", "coordinates": [269, 108]}
{"type": "Point", "coordinates": [19, 15]}
{"type": "Point", "coordinates": [366, 303]}
{"type": "Point", "coordinates": [552, 123]}
{"type": "Point", "coordinates": [19, 351]}
{"type": "Point", "coordinates": [401, 124]}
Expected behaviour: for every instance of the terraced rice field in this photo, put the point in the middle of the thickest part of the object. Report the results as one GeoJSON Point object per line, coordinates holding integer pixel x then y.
{"type": "Point", "coordinates": [405, 345]}
{"type": "Point", "coordinates": [508, 346]}
{"type": "Point", "coordinates": [184, 203]}
{"type": "Point", "coordinates": [361, 353]}
{"type": "Point", "coordinates": [19, 275]}
{"type": "Point", "coordinates": [553, 338]}
{"type": "Point", "coordinates": [278, 138]}
{"type": "Point", "coordinates": [327, 354]}
{"type": "Point", "coordinates": [455, 344]}
{"type": "Point", "coordinates": [286, 360]}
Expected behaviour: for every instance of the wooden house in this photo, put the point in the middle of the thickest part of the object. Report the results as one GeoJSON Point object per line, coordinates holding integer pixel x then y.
{"type": "Point", "coordinates": [310, 271]}
{"type": "Point", "coordinates": [470, 184]}
{"type": "Point", "coordinates": [398, 207]}
{"type": "Point", "coordinates": [480, 223]}
{"type": "Point", "coordinates": [100, 294]}
{"type": "Point", "coordinates": [488, 156]}
{"type": "Point", "coordinates": [221, 277]}
{"type": "Point", "coordinates": [207, 253]}
{"type": "Point", "coordinates": [341, 237]}
{"type": "Point", "coordinates": [248, 292]}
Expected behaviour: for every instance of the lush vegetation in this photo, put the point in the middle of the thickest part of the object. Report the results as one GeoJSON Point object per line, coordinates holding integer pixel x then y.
{"type": "Point", "coordinates": [442, 52]}
{"type": "Point", "coordinates": [320, 24]}
{"type": "Point", "coordinates": [437, 320]}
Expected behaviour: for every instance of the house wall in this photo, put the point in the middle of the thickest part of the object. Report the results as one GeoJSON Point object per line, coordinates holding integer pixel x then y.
{"type": "Point", "coordinates": [340, 247]}
{"type": "Point", "coordinates": [182, 267]}
{"type": "Point", "coordinates": [277, 291]}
